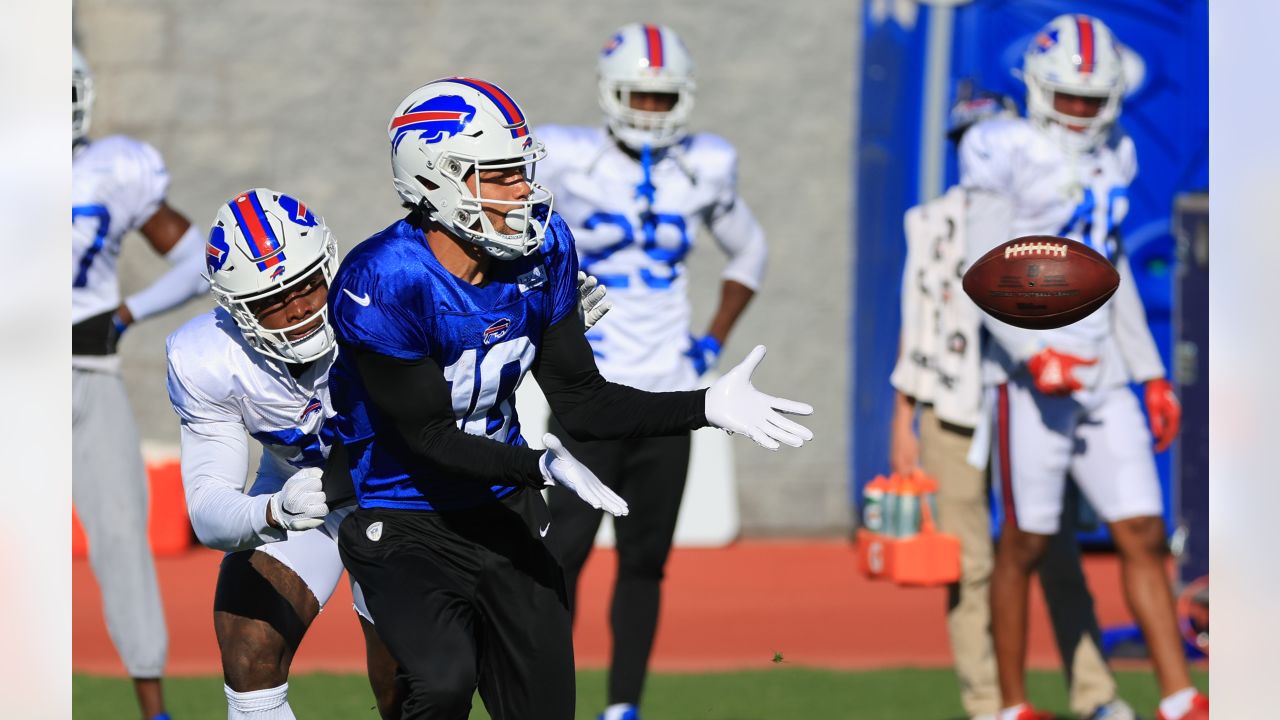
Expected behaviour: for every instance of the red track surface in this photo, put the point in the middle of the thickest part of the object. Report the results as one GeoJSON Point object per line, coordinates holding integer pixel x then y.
{"type": "Point", "coordinates": [723, 609]}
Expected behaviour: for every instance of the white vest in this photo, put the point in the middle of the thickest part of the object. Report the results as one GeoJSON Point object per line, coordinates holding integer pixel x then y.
{"type": "Point", "coordinates": [939, 359]}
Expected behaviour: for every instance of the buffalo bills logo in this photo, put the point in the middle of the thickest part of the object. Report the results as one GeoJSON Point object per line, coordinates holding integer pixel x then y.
{"type": "Point", "coordinates": [612, 45]}
{"type": "Point", "coordinates": [215, 251]}
{"type": "Point", "coordinates": [496, 331]}
{"type": "Point", "coordinates": [278, 272]}
{"type": "Point", "coordinates": [312, 407]}
{"type": "Point", "coordinates": [1045, 41]}
{"type": "Point", "coordinates": [297, 211]}
{"type": "Point", "coordinates": [436, 119]}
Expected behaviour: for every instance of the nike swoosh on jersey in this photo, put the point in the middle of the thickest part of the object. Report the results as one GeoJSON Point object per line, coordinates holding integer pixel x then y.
{"type": "Point", "coordinates": [362, 300]}
{"type": "Point", "coordinates": [542, 531]}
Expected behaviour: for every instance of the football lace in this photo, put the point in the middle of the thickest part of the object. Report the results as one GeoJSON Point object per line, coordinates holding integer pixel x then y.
{"type": "Point", "coordinates": [1036, 248]}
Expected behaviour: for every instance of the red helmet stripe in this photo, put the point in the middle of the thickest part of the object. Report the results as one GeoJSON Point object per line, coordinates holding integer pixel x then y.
{"type": "Point", "coordinates": [1084, 25]}
{"type": "Point", "coordinates": [654, 37]}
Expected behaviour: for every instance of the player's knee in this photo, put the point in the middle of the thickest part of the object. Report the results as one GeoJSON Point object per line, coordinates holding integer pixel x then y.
{"type": "Point", "coordinates": [642, 569]}
{"type": "Point", "coordinates": [447, 690]}
{"type": "Point", "coordinates": [1140, 538]}
{"type": "Point", "coordinates": [390, 700]}
{"type": "Point", "coordinates": [256, 665]}
{"type": "Point", "coordinates": [1022, 550]}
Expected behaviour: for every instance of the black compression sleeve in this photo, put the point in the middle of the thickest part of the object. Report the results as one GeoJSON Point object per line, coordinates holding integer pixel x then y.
{"type": "Point", "coordinates": [592, 408]}
{"type": "Point", "coordinates": [415, 396]}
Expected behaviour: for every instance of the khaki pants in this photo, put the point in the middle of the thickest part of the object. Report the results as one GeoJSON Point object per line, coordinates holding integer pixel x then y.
{"type": "Point", "coordinates": [964, 512]}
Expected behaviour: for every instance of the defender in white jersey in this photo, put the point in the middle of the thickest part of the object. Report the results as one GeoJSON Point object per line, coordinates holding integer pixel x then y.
{"type": "Point", "coordinates": [637, 194]}
{"type": "Point", "coordinates": [118, 184]}
{"type": "Point", "coordinates": [258, 366]}
{"type": "Point", "coordinates": [1059, 398]}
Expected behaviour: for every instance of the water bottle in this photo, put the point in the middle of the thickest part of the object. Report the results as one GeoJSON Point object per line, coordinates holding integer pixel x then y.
{"type": "Point", "coordinates": [873, 505]}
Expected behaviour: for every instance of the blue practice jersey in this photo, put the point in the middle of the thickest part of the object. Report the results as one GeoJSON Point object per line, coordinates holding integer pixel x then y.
{"type": "Point", "coordinates": [393, 297]}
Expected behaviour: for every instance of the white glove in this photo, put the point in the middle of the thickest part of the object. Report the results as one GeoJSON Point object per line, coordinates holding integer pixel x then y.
{"type": "Point", "coordinates": [561, 468]}
{"type": "Point", "coordinates": [591, 303]}
{"type": "Point", "coordinates": [299, 505]}
{"type": "Point", "coordinates": [734, 405]}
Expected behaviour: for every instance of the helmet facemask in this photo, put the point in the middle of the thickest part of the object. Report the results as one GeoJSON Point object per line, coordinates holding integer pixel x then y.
{"type": "Point", "coordinates": [277, 343]}
{"type": "Point", "coordinates": [1080, 132]}
{"type": "Point", "coordinates": [81, 97]}
{"type": "Point", "coordinates": [468, 220]}
{"type": "Point", "coordinates": [637, 128]}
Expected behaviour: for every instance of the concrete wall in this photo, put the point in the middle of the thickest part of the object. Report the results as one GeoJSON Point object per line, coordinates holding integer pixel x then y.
{"type": "Point", "coordinates": [296, 96]}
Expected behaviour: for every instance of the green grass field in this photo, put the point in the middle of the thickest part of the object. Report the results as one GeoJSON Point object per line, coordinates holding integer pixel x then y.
{"type": "Point", "coordinates": [781, 693]}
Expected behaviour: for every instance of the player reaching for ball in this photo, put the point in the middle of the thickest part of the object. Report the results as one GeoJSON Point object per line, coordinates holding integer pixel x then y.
{"type": "Point", "coordinates": [1058, 398]}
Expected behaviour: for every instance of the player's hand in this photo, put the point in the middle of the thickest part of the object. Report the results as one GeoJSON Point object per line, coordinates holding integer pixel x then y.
{"type": "Point", "coordinates": [1163, 411]}
{"type": "Point", "coordinates": [591, 303]}
{"type": "Point", "coordinates": [704, 353]}
{"type": "Point", "coordinates": [121, 319]}
{"type": "Point", "coordinates": [734, 405]}
{"type": "Point", "coordinates": [561, 468]}
{"type": "Point", "coordinates": [904, 448]}
{"type": "Point", "coordinates": [1054, 372]}
{"type": "Point", "coordinates": [299, 505]}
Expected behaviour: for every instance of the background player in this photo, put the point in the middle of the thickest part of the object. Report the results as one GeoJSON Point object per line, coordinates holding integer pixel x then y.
{"type": "Point", "coordinates": [119, 184]}
{"type": "Point", "coordinates": [439, 317]}
{"type": "Point", "coordinates": [1060, 398]}
{"type": "Point", "coordinates": [636, 193]}
{"type": "Point", "coordinates": [258, 366]}
{"type": "Point", "coordinates": [938, 386]}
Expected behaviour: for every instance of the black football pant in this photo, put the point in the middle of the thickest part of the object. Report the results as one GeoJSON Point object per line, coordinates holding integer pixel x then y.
{"type": "Point", "coordinates": [649, 474]}
{"type": "Point", "coordinates": [464, 600]}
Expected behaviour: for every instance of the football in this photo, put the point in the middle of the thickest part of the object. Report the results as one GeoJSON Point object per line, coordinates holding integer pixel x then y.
{"type": "Point", "coordinates": [1041, 282]}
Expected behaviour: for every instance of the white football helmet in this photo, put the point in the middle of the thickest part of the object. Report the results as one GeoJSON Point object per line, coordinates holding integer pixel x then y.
{"type": "Point", "coordinates": [442, 136]}
{"type": "Point", "coordinates": [646, 58]}
{"type": "Point", "coordinates": [1074, 55]}
{"type": "Point", "coordinates": [264, 242]}
{"type": "Point", "coordinates": [81, 96]}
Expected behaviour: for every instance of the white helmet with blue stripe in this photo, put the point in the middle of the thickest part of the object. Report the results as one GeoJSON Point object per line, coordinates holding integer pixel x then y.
{"type": "Point", "coordinates": [650, 59]}
{"type": "Point", "coordinates": [1074, 55]}
{"type": "Point", "coordinates": [264, 244]}
{"type": "Point", "coordinates": [443, 135]}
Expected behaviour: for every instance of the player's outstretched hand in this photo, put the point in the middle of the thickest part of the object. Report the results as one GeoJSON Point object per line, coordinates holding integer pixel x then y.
{"type": "Point", "coordinates": [734, 405]}
{"type": "Point", "coordinates": [591, 303]}
{"type": "Point", "coordinates": [561, 468]}
{"type": "Point", "coordinates": [299, 505]}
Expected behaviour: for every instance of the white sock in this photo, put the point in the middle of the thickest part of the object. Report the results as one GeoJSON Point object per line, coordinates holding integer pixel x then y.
{"type": "Point", "coordinates": [1177, 704]}
{"type": "Point", "coordinates": [1011, 713]}
{"type": "Point", "coordinates": [614, 712]}
{"type": "Point", "coordinates": [269, 704]}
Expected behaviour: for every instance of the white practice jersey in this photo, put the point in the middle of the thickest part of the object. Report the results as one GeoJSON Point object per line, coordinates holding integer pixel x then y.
{"type": "Point", "coordinates": [224, 391]}
{"type": "Point", "coordinates": [1079, 196]}
{"type": "Point", "coordinates": [117, 184]}
{"type": "Point", "coordinates": [635, 241]}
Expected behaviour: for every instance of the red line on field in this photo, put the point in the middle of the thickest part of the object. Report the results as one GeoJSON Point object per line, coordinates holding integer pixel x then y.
{"type": "Point", "coordinates": [723, 609]}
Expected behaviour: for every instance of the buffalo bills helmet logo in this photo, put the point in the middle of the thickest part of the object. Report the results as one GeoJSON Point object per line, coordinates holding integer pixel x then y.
{"type": "Point", "coordinates": [436, 119]}
{"type": "Point", "coordinates": [298, 211]}
{"type": "Point", "coordinates": [1045, 40]}
{"type": "Point", "coordinates": [612, 45]}
{"type": "Point", "coordinates": [494, 332]}
{"type": "Point", "coordinates": [215, 251]}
